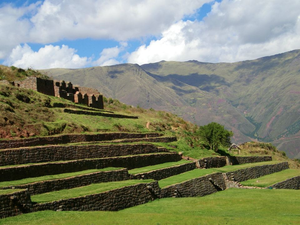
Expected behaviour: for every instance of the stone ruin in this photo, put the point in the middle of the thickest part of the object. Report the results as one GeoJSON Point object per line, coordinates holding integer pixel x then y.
{"type": "Point", "coordinates": [81, 95]}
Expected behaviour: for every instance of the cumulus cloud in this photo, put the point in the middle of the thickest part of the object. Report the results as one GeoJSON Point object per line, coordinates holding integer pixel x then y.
{"type": "Point", "coordinates": [47, 57]}
{"type": "Point", "coordinates": [116, 19]}
{"type": "Point", "coordinates": [108, 55]}
{"type": "Point", "coordinates": [234, 30]}
{"type": "Point", "coordinates": [52, 20]}
{"type": "Point", "coordinates": [14, 27]}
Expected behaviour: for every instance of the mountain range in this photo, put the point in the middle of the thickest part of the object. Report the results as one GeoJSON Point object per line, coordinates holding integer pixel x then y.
{"type": "Point", "coordinates": [256, 99]}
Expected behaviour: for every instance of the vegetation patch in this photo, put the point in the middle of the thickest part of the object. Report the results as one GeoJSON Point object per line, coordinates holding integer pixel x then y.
{"type": "Point", "coordinates": [268, 180]}
{"type": "Point", "coordinates": [9, 191]}
{"type": "Point", "coordinates": [157, 167]}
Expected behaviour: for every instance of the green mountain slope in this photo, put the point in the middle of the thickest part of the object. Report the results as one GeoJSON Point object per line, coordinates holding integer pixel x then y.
{"type": "Point", "coordinates": [256, 99]}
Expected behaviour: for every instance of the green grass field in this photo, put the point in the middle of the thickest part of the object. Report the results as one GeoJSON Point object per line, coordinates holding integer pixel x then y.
{"type": "Point", "coordinates": [233, 206]}
{"type": "Point", "coordinates": [157, 166]}
{"type": "Point", "coordinates": [9, 191]}
{"type": "Point", "coordinates": [268, 180]}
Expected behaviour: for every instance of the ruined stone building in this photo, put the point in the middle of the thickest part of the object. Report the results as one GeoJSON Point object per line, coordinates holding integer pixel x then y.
{"type": "Point", "coordinates": [81, 95]}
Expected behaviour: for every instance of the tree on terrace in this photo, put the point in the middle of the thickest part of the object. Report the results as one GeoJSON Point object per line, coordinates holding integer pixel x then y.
{"type": "Point", "coordinates": [214, 135]}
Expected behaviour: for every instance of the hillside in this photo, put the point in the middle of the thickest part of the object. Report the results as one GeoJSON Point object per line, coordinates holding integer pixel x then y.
{"type": "Point", "coordinates": [257, 100]}
{"type": "Point", "coordinates": [58, 157]}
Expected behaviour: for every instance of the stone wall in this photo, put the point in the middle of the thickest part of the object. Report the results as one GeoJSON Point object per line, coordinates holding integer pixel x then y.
{"type": "Point", "coordinates": [45, 86]}
{"type": "Point", "coordinates": [28, 83]}
{"type": "Point", "coordinates": [215, 162]}
{"type": "Point", "coordinates": [37, 84]}
{"type": "Point", "coordinates": [212, 162]}
{"type": "Point", "coordinates": [107, 201]}
{"type": "Point", "coordinates": [292, 183]}
{"type": "Point", "coordinates": [200, 186]}
{"type": "Point", "coordinates": [4, 82]}
{"type": "Point", "coordinates": [236, 160]}
{"type": "Point", "coordinates": [165, 172]}
{"type": "Point", "coordinates": [14, 203]}
{"type": "Point", "coordinates": [72, 182]}
{"type": "Point", "coordinates": [87, 96]}
{"type": "Point", "coordinates": [71, 138]}
{"type": "Point", "coordinates": [71, 152]}
{"type": "Point", "coordinates": [63, 90]}
{"type": "Point", "coordinates": [41, 169]}
{"type": "Point", "coordinates": [255, 172]}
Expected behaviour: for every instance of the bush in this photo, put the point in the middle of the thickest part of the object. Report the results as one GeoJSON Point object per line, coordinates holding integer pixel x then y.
{"type": "Point", "coordinates": [215, 135]}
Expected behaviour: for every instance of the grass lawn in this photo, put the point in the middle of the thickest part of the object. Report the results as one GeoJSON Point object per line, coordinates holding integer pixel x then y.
{"type": "Point", "coordinates": [52, 177]}
{"type": "Point", "coordinates": [9, 191]}
{"type": "Point", "coordinates": [233, 206]}
{"type": "Point", "coordinates": [157, 166]}
{"type": "Point", "coordinates": [271, 179]}
{"type": "Point", "coordinates": [84, 190]}
{"type": "Point", "coordinates": [202, 172]}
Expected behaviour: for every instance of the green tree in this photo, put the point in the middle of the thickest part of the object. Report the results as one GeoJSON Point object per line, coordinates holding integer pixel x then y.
{"type": "Point", "coordinates": [214, 135]}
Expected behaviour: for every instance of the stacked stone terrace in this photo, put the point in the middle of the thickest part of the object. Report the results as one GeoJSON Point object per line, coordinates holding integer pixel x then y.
{"type": "Point", "coordinates": [25, 166]}
{"type": "Point", "coordinates": [81, 95]}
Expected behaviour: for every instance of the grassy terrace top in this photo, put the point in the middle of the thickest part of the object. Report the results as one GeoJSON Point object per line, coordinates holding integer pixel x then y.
{"type": "Point", "coordinates": [117, 142]}
{"type": "Point", "coordinates": [53, 177]}
{"type": "Point", "coordinates": [10, 191]}
{"type": "Point", "coordinates": [268, 180]}
{"type": "Point", "coordinates": [157, 167]}
{"type": "Point", "coordinates": [202, 172]}
{"type": "Point", "coordinates": [85, 190]}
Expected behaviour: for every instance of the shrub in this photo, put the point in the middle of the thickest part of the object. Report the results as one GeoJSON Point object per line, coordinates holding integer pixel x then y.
{"type": "Point", "coordinates": [215, 135]}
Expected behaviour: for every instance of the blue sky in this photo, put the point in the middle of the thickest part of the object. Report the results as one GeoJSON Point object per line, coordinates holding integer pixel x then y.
{"type": "Point", "coordinates": [74, 34]}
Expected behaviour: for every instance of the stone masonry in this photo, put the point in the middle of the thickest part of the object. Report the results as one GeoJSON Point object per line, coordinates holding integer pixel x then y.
{"type": "Point", "coordinates": [87, 96]}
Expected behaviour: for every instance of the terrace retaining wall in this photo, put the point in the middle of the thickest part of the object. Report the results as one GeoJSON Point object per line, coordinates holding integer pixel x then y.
{"type": "Point", "coordinates": [292, 183]}
{"type": "Point", "coordinates": [14, 203]}
{"type": "Point", "coordinates": [165, 172]}
{"type": "Point", "coordinates": [72, 182]}
{"type": "Point", "coordinates": [255, 172]}
{"type": "Point", "coordinates": [200, 186]}
{"type": "Point", "coordinates": [215, 162]}
{"type": "Point", "coordinates": [107, 201]}
{"type": "Point", "coordinates": [19, 202]}
{"type": "Point", "coordinates": [236, 160]}
{"type": "Point", "coordinates": [70, 138]}
{"type": "Point", "coordinates": [71, 152]}
{"type": "Point", "coordinates": [129, 162]}
{"type": "Point", "coordinates": [212, 162]}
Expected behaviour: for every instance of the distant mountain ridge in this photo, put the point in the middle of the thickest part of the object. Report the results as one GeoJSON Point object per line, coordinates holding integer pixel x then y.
{"type": "Point", "coordinates": [256, 99]}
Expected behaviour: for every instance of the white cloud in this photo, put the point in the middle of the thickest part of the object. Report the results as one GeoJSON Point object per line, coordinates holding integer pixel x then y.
{"type": "Point", "coordinates": [234, 30]}
{"type": "Point", "coordinates": [14, 27]}
{"type": "Point", "coordinates": [47, 57]}
{"type": "Point", "coordinates": [52, 20]}
{"type": "Point", "coordinates": [116, 19]}
{"type": "Point", "coordinates": [108, 55]}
